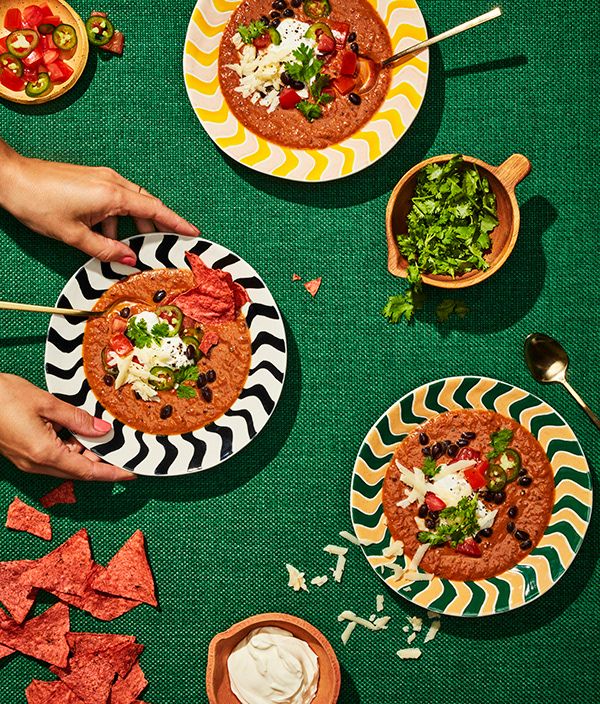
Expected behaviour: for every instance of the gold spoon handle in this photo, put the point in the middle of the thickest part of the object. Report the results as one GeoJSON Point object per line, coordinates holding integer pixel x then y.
{"type": "Point", "coordinates": [9, 305]}
{"type": "Point", "coordinates": [593, 417]}
{"type": "Point", "coordinates": [476, 21]}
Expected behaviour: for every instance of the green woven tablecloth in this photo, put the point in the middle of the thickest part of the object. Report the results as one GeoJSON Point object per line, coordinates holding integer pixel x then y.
{"type": "Point", "coordinates": [218, 541]}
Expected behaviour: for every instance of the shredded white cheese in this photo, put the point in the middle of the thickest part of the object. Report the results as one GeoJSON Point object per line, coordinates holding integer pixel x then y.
{"type": "Point", "coordinates": [349, 537]}
{"type": "Point", "coordinates": [379, 602]}
{"type": "Point", "coordinates": [296, 580]}
{"type": "Point", "coordinates": [415, 622]}
{"type": "Point", "coordinates": [319, 581]}
{"type": "Point", "coordinates": [418, 556]}
{"type": "Point", "coordinates": [379, 624]}
{"type": "Point", "coordinates": [409, 653]}
{"type": "Point", "coordinates": [348, 631]}
{"type": "Point", "coordinates": [339, 569]}
{"type": "Point", "coordinates": [335, 550]}
{"type": "Point", "coordinates": [432, 632]}
{"type": "Point", "coordinates": [411, 637]}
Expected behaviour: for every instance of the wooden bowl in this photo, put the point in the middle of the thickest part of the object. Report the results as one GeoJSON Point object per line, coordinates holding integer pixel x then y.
{"type": "Point", "coordinates": [503, 179]}
{"type": "Point", "coordinates": [217, 678]}
{"type": "Point", "coordinates": [77, 62]}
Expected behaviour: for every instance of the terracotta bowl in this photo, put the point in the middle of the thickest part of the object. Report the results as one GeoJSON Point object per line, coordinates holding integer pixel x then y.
{"type": "Point", "coordinates": [217, 677]}
{"type": "Point", "coordinates": [503, 179]}
{"type": "Point", "coordinates": [77, 62]}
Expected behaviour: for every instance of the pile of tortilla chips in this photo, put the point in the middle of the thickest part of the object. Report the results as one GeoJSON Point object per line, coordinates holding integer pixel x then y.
{"type": "Point", "coordinates": [92, 668]}
{"type": "Point", "coordinates": [216, 297]}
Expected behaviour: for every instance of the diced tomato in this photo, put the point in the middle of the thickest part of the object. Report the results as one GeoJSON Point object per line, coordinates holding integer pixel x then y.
{"type": "Point", "coordinates": [261, 42]}
{"type": "Point", "coordinates": [325, 45]}
{"type": "Point", "coordinates": [33, 16]}
{"type": "Point", "coordinates": [59, 71]}
{"type": "Point", "coordinates": [115, 45]}
{"type": "Point", "coordinates": [118, 324]}
{"type": "Point", "coordinates": [46, 43]}
{"type": "Point", "coordinates": [288, 98]}
{"type": "Point", "coordinates": [482, 465]}
{"type": "Point", "coordinates": [12, 19]}
{"type": "Point", "coordinates": [475, 478]}
{"type": "Point", "coordinates": [466, 453]}
{"type": "Point", "coordinates": [349, 61]}
{"type": "Point", "coordinates": [50, 56]}
{"type": "Point", "coordinates": [433, 502]}
{"type": "Point", "coordinates": [340, 32]}
{"type": "Point", "coordinates": [469, 547]}
{"type": "Point", "coordinates": [45, 10]}
{"type": "Point", "coordinates": [10, 81]}
{"type": "Point", "coordinates": [120, 344]}
{"type": "Point", "coordinates": [51, 19]}
{"type": "Point", "coordinates": [31, 74]}
{"type": "Point", "coordinates": [3, 47]}
{"type": "Point", "coordinates": [344, 84]}
{"type": "Point", "coordinates": [33, 59]}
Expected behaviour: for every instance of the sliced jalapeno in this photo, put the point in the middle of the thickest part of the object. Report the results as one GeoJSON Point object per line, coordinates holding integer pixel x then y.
{"type": "Point", "coordinates": [275, 36]}
{"type": "Point", "coordinates": [172, 315]}
{"type": "Point", "coordinates": [190, 341]}
{"type": "Point", "coordinates": [165, 378]}
{"type": "Point", "coordinates": [315, 9]}
{"type": "Point", "coordinates": [39, 86]}
{"type": "Point", "coordinates": [22, 42]}
{"type": "Point", "coordinates": [108, 368]}
{"type": "Point", "coordinates": [495, 477]}
{"type": "Point", "coordinates": [314, 29]}
{"type": "Point", "coordinates": [11, 63]}
{"type": "Point", "coordinates": [65, 37]}
{"type": "Point", "coordinates": [511, 463]}
{"type": "Point", "coordinates": [99, 30]}
{"type": "Point", "coordinates": [198, 333]}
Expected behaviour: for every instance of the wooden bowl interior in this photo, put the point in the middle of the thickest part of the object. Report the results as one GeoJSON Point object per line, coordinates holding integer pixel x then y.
{"type": "Point", "coordinates": [502, 236]}
{"type": "Point", "coordinates": [217, 677]}
{"type": "Point", "coordinates": [77, 62]}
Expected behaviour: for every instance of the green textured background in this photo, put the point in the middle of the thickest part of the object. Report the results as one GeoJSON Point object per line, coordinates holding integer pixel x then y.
{"type": "Point", "coordinates": [218, 541]}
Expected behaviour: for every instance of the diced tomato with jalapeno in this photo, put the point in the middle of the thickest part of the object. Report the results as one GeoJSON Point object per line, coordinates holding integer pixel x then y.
{"type": "Point", "coordinates": [325, 45]}
{"type": "Point", "coordinates": [433, 502]}
{"type": "Point", "coordinates": [59, 71]}
{"type": "Point", "coordinates": [262, 42]}
{"type": "Point", "coordinates": [469, 547]}
{"type": "Point", "coordinates": [34, 59]}
{"type": "Point", "coordinates": [343, 84]}
{"type": "Point", "coordinates": [340, 33]}
{"type": "Point", "coordinates": [33, 15]}
{"type": "Point", "coordinates": [476, 475]}
{"type": "Point", "coordinates": [121, 344]}
{"type": "Point", "coordinates": [288, 98]}
{"type": "Point", "coordinates": [12, 19]}
{"type": "Point", "coordinates": [54, 20]}
{"type": "Point", "coordinates": [11, 81]}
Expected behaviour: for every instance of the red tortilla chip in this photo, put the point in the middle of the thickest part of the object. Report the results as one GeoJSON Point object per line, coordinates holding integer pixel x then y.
{"type": "Point", "coordinates": [313, 286]}
{"type": "Point", "coordinates": [42, 637]}
{"type": "Point", "coordinates": [209, 340]}
{"type": "Point", "coordinates": [5, 651]}
{"type": "Point", "coordinates": [65, 569]}
{"type": "Point", "coordinates": [122, 652]}
{"type": "Point", "coordinates": [63, 494]}
{"type": "Point", "coordinates": [16, 596]}
{"type": "Point", "coordinates": [40, 692]}
{"type": "Point", "coordinates": [89, 677]}
{"type": "Point", "coordinates": [126, 691]}
{"type": "Point", "coordinates": [28, 519]}
{"type": "Point", "coordinates": [296, 277]}
{"type": "Point", "coordinates": [104, 607]}
{"type": "Point", "coordinates": [240, 296]}
{"type": "Point", "coordinates": [128, 574]}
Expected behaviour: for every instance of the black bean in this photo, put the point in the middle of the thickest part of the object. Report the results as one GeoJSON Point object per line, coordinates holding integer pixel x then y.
{"type": "Point", "coordinates": [285, 78]}
{"type": "Point", "coordinates": [469, 435]}
{"type": "Point", "coordinates": [137, 396]}
{"type": "Point", "coordinates": [426, 451]}
{"type": "Point", "coordinates": [159, 295]}
{"type": "Point", "coordinates": [354, 47]}
{"type": "Point", "coordinates": [424, 438]}
{"type": "Point", "coordinates": [423, 511]}
{"type": "Point", "coordinates": [488, 495]}
{"type": "Point", "coordinates": [125, 312]}
{"type": "Point", "coordinates": [275, 23]}
{"type": "Point", "coordinates": [522, 472]}
{"type": "Point", "coordinates": [462, 442]}
{"type": "Point", "coordinates": [510, 526]}
{"type": "Point", "coordinates": [429, 523]}
{"type": "Point", "coordinates": [351, 37]}
{"type": "Point", "coordinates": [355, 98]}
{"type": "Point", "coordinates": [525, 545]}
{"type": "Point", "coordinates": [211, 375]}
{"type": "Point", "coordinates": [525, 481]}
{"type": "Point", "coordinates": [109, 380]}
{"type": "Point", "coordinates": [202, 380]}
{"type": "Point", "coordinates": [513, 511]}
{"type": "Point", "coordinates": [499, 497]}
{"type": "Point", "coordinates": [446, 444]}
{"type": "Point", "coordinates": [296, 85]}
{"type": "Point", "coordinates": [521, 535]}
{"type": "Point", "coordinates": [452, 451]}
{"type": "Point", "coordinates": [296, 3]}
{"type": "Point", "coordinates": [486, 532]}
{"type": "Point", "coordinates": [264, 19]}
{"type": "Point", "coordinates": [288, 12]}
{"type": "Point", "coordinates": [437, 450]}
{"type": "Point", "coordinates": [165, 412]}
{"type": "Point", "coordinates": [279, 5]}
{"type": "Point", "coordinates": [477, 538]}
{"type": "Point", "coordinates": [274, 14]}
{"type": "Point", "coordinates": [207, 394]}
{"type": "Point", "coordinates": [190, 351]}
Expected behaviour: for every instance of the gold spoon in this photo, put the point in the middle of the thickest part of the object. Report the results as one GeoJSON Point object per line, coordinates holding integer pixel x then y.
{"type": "Point", "coordinates": [28, 307]}
{"type": "Point", "coordinates": [368, 69]}
{"type": "Point", "coordinates": [548, 362]}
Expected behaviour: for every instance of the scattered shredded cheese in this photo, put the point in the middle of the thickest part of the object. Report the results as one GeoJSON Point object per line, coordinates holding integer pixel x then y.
{"type": "Point", "coordinates": [335, 550]}
{"type": "Point", "coordinates": [411, 637]}
{"type": "Point", "coordinates": [432, 632]}
{"type": "Point", "coordinates": [296, 580]}
{"type": "Point", "coordinates": [348, 631]}
{"type": "Point", "coordinates": [349, 537]}
{"type": "Point", "coordinates": [409, 653]}
{"type": "Point", "coordinates": [379, 602]}
{"type": "Point", "coordinates": [339, 569]}
{"type": "Point", "coordinates": [319, 581]}
{"type": "Point", "coordinates": [415, 622]}
{"type": "Point", "coordinates": [379, 624]}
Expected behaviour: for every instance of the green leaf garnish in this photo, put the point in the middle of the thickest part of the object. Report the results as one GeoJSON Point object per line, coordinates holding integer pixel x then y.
{"type": "Point", "coordinates": [189, 373]}
{"type": "Point", "coordinates": [306, 66]}
{"type": "Point", "coordinates": [137, 332]}
{"type": "Point", "coordinates": [311, 111]}
{"type": "Point", "coordinates": [430, 468]}
{"type": "Point", "coordinates": [403, 305]}
{"type": "Point", "coordinates": [320, 82]}
{"type": "Point", "coordinates": [253, 31]}
{"type": "Point", "coordinates": [186, 392]}
{"type": "Point", "coordinates": [456, 524]}
{"type": "Point", "coordinates": [499, 442]}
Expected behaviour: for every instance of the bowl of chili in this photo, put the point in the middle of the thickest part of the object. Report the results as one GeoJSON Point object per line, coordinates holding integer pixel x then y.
{"type": "Point", "coordinates": [43, 50]}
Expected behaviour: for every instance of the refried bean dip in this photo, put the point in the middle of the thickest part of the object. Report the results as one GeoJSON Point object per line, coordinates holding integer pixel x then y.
{"type": "Point", "coordinates": [173, 352]}
{"type": "Point", "coordinates": [476, 486]}
{"type": "Point", "coordinates": [291, 74]}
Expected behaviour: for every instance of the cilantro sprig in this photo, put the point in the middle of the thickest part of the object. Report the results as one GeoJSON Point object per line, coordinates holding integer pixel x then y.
{"type": "Point", "coordinates": [306, 65]}
{"type": "Point", "coordinates": [189, 373]}
{"type": "Point", "coordinates": [456, 524]}
{"type": "Point", "coordinates": [306, 68]}
{"type": "Point", "coordinates": [499, 441]}
{"type": "Point", "coordinates": [252, 31]}
{"type": "Point", "coordinates": [430, 468]}
{"type": "Point", "coordinates": [137, 331]}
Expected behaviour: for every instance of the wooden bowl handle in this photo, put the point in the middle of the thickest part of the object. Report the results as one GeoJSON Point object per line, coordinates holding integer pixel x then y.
{"type": "Point", "coordinates": [513, 170]}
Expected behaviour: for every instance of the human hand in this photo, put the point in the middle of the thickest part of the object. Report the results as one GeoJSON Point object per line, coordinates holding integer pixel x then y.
{"type": "Point", "coordinates": [64, 201]}
{"type": "Point", "coordinates": [30, 419]}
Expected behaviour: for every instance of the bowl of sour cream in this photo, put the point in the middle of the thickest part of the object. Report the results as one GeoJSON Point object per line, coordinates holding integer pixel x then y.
{"type": "Point", "coordinates": [272, 659]}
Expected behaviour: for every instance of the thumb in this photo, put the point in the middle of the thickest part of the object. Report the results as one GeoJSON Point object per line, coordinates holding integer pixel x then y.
{"type": "Point", "coordinates": [75, 419]}
{"type": "Point", "coordinates": [103, 248]}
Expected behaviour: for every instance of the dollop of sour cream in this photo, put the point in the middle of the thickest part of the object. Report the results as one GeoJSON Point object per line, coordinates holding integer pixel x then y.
{"type": "Point", "coordinates": [271, 666]}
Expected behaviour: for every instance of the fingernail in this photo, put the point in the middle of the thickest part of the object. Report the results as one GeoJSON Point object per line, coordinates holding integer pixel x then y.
{"type": "Point", "coordinates": [128, 261]}
{"type": "Point", "coordinates": [101, 425]}
{"type": "Point", "coordinates": [195, 230]}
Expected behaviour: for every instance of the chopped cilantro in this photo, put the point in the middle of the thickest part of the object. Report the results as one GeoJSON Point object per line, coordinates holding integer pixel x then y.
{"type": "Point", "coordinates": [137, 332]}
{"type": "Point", "coordinates": [249, 33]}
{"type": "Point", "coordinates": [189, 373]}
{"type": "Point", "coordinates": [499, 442]}
{"type": "Point", "coordinates": [186, 392]}
{"type": "Point", "coordinates": [320, 82]}
{"type": "Point", "coordinates": [306, 66]}
{"type": "Point", "coordinates": [403, 305]}
{"type": "Point", "coordinates": [456, 524]}
{"type": "Point", "coordinates": [161, 330]}
{"type": "Point", "coordinates": [311, 111]}
{"type": "Point", "coordinates": [430, 468]}
{"type": "Point", "coordinates": [449, 306]}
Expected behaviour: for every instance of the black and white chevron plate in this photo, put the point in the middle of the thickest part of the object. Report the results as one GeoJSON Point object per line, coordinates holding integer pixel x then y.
{"type": "Point", "coordinates": [170, 455]}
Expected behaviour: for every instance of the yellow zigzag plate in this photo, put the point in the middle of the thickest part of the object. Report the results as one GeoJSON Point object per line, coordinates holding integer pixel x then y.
{"type": "Point", "coordinates": [409, 82]}
{"type": "Point", "coordinates": [545, 564]}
